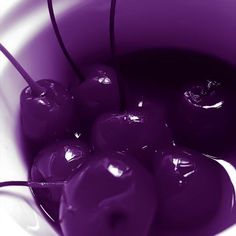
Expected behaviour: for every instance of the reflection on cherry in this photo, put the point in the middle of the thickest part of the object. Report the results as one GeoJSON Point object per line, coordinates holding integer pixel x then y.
{"type": "Point", "coordinates": [111, 195]}
{"type": "Point", "coordinates": [99, 93]}
{"type": "Point", "coordinates": [56, 163]}
{"type": "Point", "coordinates": [190, 188]}
{"type": "Point", "coordinates": [203, 116]}
{"type": "Point", "coordinates": [135, 132]}
{"type": "Point", "coordinates": [47, 116]}
{"type": "Point", "coordinates": [46, 107]}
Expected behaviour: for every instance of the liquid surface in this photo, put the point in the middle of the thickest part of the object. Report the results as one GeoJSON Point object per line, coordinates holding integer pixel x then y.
{"type": "Point", "coordinates": [162, 77]}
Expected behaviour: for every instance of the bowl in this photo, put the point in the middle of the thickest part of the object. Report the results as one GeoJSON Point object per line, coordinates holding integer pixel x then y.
{"type": "Point", "coordinates": [204, 26]}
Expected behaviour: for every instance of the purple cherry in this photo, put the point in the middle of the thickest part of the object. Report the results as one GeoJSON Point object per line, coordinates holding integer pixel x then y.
{"type": "Point", "coordinates": [98, 94]}
{"type": "Point", "coordinates": [203, 117]}
{"type": "Point", "coordinates": [136, 132]}
{"type": "Point", "coordinates": [47, 116]}
{"type": "Point", "coordinates": [190, 188]}
{"type": "Point", "coordinates": [111, 195]}
{"type": "Point", "coordinates": [56, 163]}
{"type": "Point", "coordinates": [47, 109]}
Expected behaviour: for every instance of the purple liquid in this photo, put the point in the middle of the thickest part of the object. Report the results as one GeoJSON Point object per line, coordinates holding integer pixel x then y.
{"type": "Point", "coordinates": [157, 75]}
{"type": "Point", "coordinates": [160, 76]}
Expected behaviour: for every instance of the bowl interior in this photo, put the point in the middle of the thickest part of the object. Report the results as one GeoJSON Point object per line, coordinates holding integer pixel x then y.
{"type": "Point", "coordinates": [205, 26]}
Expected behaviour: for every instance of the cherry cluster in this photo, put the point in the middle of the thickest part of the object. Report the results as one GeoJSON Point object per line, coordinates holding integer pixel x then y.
{"type": "Point", "coordinates": [128, 173]}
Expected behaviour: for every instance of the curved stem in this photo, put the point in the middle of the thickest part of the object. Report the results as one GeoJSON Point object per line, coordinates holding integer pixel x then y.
{"type": "Point", "coordinates": [37, 89]}
{"type": "Point", "coordinates": [32, 184]}
{"type": "Point", "coordinates": [61, 43]}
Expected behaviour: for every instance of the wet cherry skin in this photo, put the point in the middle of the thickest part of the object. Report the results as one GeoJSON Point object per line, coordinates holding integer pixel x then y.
{"type": "Point", "coordinates": [140, 131]}
{"type": "Point", "coordinates": [56, 162]}
{"type": "Point", "coordinates": [47, 116]}
{"type": "Point", "coordinates": [203, 116]}
{"type": "Point", "coordinates": [106, 197]}
{"type": "Point", "coordinates": [99, 93]}
{"type": "Point", "coordinates": [190, 187]}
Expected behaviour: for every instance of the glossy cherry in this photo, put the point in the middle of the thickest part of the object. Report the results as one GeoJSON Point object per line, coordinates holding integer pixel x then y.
{"type": "Point", "coordinates": [46, 107]}
{"type": "Point", "coordinates": [190, 188]}
{"type": "Point", "coordinates": [99, 90]}
{"type": "Point", "coordinates": [99, 93]}
{"type": "Point", "coordinates": [203, 116]}
{"type": "Point", "coordinates": [111, 195]}
{"type": "Point", "coordinates": [47, 116]}
{"type": "Point", "coordinates": [56, 163]}
{"type": "Point", "coordinates": [134, 132]}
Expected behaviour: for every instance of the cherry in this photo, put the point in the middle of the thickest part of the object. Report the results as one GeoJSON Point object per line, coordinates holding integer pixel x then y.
{"type": "Point", "coordinates": [99, 90]}
{"type": "Point", "coordinates": [98, 94]}
{"type": "Point", "coordinates": [47, 108]}
{"type": "Point", "coordinates": [110, 195]}
{"type": "Point", "coordinates": [56, 163]}
{"type": "Point", "coordinates": [190, 188]}
{"type": "Point", "coordinates": [202, 116]}
{"type": "Point", "coordinates": [48, 116]}
{"type": "Point", "coordinates": [138, 132]}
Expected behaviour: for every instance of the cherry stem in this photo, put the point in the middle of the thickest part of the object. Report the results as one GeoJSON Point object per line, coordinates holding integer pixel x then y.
{"type": "Point", "coordinates": [114, 52]}
{"type": "Point", "coordinates": [37, 89]}
{"type": "Point", "coordinates": [32, 184]}
{"type": "Point", "coordinates": [61, 43]}
{"type": "Point", "coordinates": [112, 30]}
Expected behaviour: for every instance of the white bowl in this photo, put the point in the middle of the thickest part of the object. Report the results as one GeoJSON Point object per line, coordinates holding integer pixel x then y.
{"type": "Point", "coordinates": [207, 26]}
